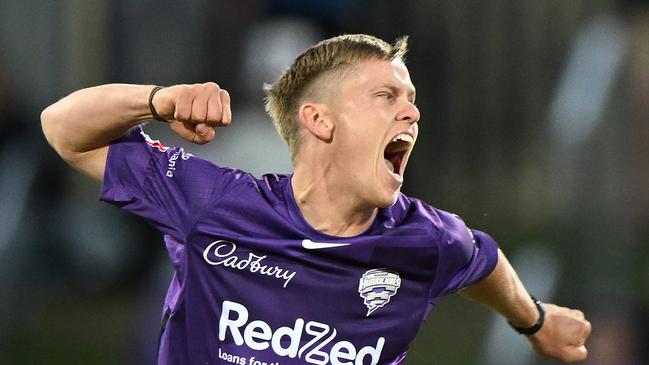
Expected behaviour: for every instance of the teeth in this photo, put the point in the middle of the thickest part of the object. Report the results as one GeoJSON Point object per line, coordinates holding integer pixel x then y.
{"type": "Point", "coordinates": [403, 137]}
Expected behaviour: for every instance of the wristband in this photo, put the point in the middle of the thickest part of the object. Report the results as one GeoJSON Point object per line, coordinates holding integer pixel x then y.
{"type": "Point", "coordinates": [154, 113]}
{"type": "Point", "coordinates": [536, 326]}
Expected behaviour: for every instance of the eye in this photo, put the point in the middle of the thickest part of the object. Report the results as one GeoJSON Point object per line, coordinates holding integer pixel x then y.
{"type": "Point", "coordinates": [386, 95]}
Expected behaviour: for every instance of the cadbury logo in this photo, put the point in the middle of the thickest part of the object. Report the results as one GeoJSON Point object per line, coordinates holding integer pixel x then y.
{"type": "Point", "coordinates": [224, 253]}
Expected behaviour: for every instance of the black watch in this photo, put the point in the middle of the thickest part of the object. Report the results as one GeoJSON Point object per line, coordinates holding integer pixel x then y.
{"type": "Point", "coordinates": [536, 326]}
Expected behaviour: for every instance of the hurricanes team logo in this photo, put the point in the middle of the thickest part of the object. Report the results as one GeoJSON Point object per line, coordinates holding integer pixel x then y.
{"type": "Point", "coordinates": [377, 286]}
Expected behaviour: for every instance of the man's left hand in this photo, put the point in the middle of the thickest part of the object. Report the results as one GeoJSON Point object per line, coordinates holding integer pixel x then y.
{"type": "Point", "coordinates": [563, 335]}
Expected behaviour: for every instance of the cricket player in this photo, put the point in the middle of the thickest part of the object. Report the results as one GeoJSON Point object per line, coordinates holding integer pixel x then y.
{"type": "Point", "coordinates": [331, 264]}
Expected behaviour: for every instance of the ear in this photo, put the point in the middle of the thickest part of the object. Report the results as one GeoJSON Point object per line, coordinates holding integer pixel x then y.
{"type": "Point", "coordinates": [313, 118]}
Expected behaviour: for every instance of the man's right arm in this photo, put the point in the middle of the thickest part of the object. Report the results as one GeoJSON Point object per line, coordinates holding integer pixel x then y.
{"type": "Point", "coordinates": [81, 126]}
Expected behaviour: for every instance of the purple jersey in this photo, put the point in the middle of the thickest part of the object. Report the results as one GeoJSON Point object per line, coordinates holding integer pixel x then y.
{"type": "Point", "coordinates": [255, 284]}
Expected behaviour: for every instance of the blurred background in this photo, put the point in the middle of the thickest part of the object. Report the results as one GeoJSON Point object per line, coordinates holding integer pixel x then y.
{"type": "Point", "coordinates": [534, 129]}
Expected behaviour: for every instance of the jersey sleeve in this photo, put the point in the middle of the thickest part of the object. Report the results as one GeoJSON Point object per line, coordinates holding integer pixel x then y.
{"type": "Point", "coordinates": [167, 186]}
{"type": "Point", "coordinates": [466, 256]}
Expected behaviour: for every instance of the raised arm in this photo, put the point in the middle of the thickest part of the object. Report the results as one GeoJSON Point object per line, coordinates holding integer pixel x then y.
{"type": "Point", "coordinates": [81, 126]}
{"type": "Point", "coordinates": [564, 331]}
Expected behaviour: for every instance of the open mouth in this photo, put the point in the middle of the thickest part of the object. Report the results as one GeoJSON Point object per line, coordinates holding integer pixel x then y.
{"type": "Point", "coordinates": [396, 151]}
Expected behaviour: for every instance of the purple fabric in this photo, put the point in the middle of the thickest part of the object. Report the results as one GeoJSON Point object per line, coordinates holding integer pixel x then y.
{"type": "Point", "coordinates": [248, 289]}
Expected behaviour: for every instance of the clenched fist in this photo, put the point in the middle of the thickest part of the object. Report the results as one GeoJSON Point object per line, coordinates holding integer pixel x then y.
{"type": "Point", "coordinates": [194, 110]}
{"type": "Point", "coordinates": [563, 335]}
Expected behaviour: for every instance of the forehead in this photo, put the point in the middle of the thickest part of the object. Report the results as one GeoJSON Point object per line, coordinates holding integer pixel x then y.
{"type": "Point", "coordinates": [377, 73]}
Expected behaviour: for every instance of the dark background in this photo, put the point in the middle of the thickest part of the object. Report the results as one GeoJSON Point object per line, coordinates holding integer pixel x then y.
{"type": "Point", "coordinates": [534, 129]}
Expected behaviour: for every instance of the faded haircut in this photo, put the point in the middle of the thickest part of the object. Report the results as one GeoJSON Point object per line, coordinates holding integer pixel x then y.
{"type": "Point", "coordinates": [331, 56]}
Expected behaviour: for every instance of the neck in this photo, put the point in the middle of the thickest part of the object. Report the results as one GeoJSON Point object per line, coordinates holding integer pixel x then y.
{"type": "Point", "coordinates": [328, 203]}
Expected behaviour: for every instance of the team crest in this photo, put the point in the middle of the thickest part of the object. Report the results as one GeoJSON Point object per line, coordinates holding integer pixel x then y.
{"type": "Point", "coordinates": [377, 286]}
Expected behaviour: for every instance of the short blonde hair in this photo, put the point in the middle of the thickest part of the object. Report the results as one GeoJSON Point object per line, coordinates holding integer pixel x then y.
{"type": "Point", "coordinates": [338, 54]}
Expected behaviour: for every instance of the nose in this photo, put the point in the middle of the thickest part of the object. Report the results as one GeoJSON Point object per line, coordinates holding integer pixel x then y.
{"type": "Point", "coordinates": [409, 113]}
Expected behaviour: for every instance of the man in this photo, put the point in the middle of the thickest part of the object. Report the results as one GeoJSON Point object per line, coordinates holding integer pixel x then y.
{"type": "Point", "coordinates": [329, 265]}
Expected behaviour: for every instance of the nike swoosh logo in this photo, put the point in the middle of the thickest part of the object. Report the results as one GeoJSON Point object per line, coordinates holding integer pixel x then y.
{"type": "Point", "coordinates": [310, 245]}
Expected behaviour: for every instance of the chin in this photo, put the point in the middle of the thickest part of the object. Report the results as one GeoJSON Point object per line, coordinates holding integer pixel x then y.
{"type": "Point", "coordinates": [388, 200]}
